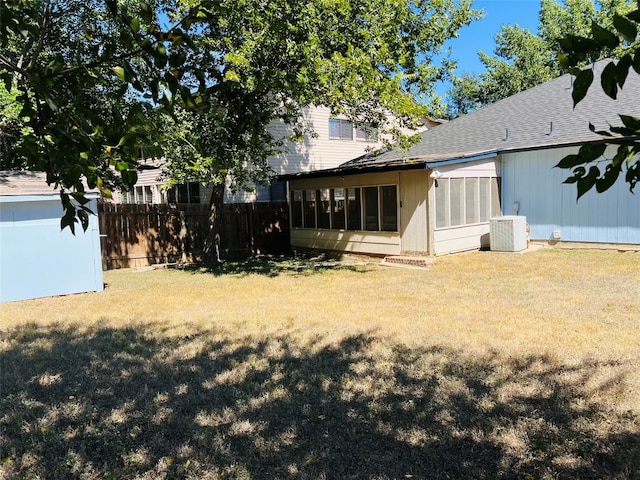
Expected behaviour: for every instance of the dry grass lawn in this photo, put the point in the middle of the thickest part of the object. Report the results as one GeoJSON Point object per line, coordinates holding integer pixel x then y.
{"type": "Point", "coordinates": [483, 366]}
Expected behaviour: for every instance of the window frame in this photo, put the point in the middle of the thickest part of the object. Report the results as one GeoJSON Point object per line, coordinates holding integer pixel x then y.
{"type": "Point", "coordinates": [344, 126]}
{"type": "Point", "coordinates": [366, 133]}
{"type": "Point", "coordinates": [492, 201]}
{"type": "Point", "coordinates": [300, 197]}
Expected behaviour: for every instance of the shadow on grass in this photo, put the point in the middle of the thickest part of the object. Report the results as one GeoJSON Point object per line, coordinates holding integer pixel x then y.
{"type": "Point", "coordinates": [125, 403]}
{"type": "Point", "coordinates": [273, 266]}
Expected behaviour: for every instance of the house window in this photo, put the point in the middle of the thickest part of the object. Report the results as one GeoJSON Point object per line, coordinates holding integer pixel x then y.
{"type": "Point", "coordinates": [309, 209]}
{"type": "Point", "coordinates": [466, 201]}
{"type": "Point", "coordinates": [340, 129]}
{"type": "Point", "coordinates": [278, 191]}
{"type": "Point", "coordinates": [389, 204]}
{"type": "Point", "coordinates": [442, 203]}
{"type": "Point", "coordinates": [184, 193]}
{"type": "Point", "coordinates": [354, 209]}
{"type": "Point", "coordinates": [456, 196]}
{"type": "Point", "coordinates": [471, 200]}
{"type": "Point", "coordinates": [337, 208]}
{"type": "Point", "coordinates": [324, 208]}
{"type": "Point", "coordinates": [371, 208]}
{"type": "Point", "coordinates": [296, 208]}
{"type": "Point", "coordinates": [367, 133]}
{"type": "Point", "coordinates": [484, 195]}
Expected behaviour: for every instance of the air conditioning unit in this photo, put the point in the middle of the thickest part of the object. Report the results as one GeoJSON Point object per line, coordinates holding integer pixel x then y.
{"type": "Point", "coordinates": [508, 233]}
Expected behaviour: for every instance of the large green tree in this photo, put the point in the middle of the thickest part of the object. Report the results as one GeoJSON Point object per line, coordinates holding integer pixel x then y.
{"type": "Point", "coordinates": [93, 75]}
{"type": "Point", "coordinates": [523, 59]}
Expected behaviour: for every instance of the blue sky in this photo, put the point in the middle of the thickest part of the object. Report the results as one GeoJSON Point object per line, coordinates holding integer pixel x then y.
{"type": "Point", "coordinates": [480, 34]}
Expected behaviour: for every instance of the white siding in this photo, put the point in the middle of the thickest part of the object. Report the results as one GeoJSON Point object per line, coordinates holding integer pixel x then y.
{"type": "Point", "coordinates": [530, 179]}
{"type": "Point", "coordinates": [460, 239]}
{"type": "Point", "coordinates": [481, 168]}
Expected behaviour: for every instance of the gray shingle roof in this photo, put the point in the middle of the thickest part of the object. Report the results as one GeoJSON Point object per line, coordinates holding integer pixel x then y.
{"type": "Point", "coordinates": [540, 117]}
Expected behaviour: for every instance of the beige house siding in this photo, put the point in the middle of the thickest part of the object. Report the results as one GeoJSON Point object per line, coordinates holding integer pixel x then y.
{"type": "Point", "coordinates": [414, 217]}
{"type": "Point", "coordinates": [376, 243]}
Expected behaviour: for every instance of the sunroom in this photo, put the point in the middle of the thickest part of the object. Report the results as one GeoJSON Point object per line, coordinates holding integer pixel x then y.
{"type": "Point", "coordinates": [397, 208]}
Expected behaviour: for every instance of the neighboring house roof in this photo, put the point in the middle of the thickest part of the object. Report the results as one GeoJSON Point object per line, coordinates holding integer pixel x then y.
{"type": "Point", "coordinates": [541, 117]}
{"type": "Point", "coordinates": [21, 183]}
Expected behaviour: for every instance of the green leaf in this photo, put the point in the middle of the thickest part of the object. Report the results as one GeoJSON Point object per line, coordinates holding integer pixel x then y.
{"type": "Point", "coordinates": [8, 80]}
{"type": "Point", "coordinates": [129, 177]}
{"type": "Point", "coordinates": [581, 85]}
{"type": "Point", "coordinates": [570, 161]}
{"type": "Point", "coordinates": [622, 69]}
{"type": "Point", "coordinates": [631, 122]}
{"type": "Point", "coordinates": [591, 151]}
{"type": "Point", "coordinates": [575, 44]}
{"type": "Point", "coordinates": [135, 25]}
{"type": "Point", "coordinates": [604, 37]}
{"type": "Point", "coordinates": [633, 175]}
{"type": "Point", "coordinates": [604, 133]}
{"type": "Point", "coordinates": [146, 12]}
{"type": "Point", "coordinates": [112, 6]}
{"type": "Point", "coordinates": [119, 71]}
{"type": "Point", "coordinates": [608, 80]}
{"type": "Point", "coordinates": [177, 60]}
{"type": "Point", "coordinates": [625, 27]}
{"type": "Point", "coordinates": [634, 15]}
{"type": "Point", "coordinates": [610, 176]}
{"type": "Point", "coordinates": [231, 76]}
{"type": "Point", "coordinates": [84, 219]}
{"type": "Point", "coordinates": [586, 183]}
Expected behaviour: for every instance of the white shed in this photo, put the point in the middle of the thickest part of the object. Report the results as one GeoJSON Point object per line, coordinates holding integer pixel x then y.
{"type": "Point", "coordinates": [37, 258]}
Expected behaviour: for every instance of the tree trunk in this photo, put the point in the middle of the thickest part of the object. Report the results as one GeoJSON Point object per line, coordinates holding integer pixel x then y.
{"type": "Point", "coordinates": [212, 240]}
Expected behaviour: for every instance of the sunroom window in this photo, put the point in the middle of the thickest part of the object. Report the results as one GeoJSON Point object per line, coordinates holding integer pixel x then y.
{"type": "Point", "coordinates": [355, 208]}
{"type": "Point", "coordinates": [389, 203]}
{"type": "Point", "coordinates": [296, 209]}
{"type": "Point", "coordinates": [324, 208]}
{"type": "Point", "coordinates": [309, 209]}
{"type": "Point", "coordinates": [466, 201]}
{"type": "Point", "coordinates": [337, 208]}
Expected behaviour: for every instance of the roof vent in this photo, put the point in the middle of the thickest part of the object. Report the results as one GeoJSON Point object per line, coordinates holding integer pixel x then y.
{"type": "Point", "coordinates": [550, 129]}
{"type": "Point", "coordinates": [506, 135]}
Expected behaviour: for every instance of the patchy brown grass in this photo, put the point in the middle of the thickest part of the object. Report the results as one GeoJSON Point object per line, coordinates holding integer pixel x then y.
{"type": "Point", "coordinates": [484, 366]}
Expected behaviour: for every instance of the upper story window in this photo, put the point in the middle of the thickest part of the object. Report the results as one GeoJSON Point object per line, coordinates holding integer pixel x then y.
{"type": "Point", "coordinates": [340, 129]}
{"type": "Point", "coordinates": [367, 134]}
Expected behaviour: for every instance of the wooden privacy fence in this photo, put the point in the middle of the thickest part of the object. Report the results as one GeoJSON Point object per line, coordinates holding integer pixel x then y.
{"type": "Point", "coordinates": [135, 235]}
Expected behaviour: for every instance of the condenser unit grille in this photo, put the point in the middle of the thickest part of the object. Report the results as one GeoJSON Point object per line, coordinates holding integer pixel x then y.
{"type": "Point", "coordinates": [508, 233]}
